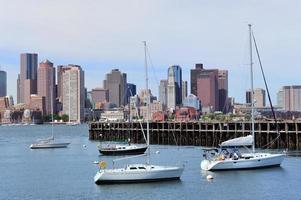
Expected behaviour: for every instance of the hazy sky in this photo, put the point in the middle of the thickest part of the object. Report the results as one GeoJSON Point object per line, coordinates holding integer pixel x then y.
{"type": "Point", "coordinates": [101, 35]}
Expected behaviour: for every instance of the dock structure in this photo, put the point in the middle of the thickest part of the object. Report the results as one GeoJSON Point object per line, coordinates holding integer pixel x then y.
{"type": "Point", "coordinates": [208, 134]}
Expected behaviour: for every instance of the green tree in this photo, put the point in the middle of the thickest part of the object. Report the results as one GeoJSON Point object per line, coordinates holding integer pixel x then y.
{"type": "Point", "coordinates": [65, 117]}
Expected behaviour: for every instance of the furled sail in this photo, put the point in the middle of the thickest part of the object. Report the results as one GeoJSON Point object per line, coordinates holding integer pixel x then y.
{"type": "Point", "coordinates": [240, 141]}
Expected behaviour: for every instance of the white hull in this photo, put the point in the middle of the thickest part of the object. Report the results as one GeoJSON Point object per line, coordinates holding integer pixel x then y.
{"type": "Point", "coordinates": [258, 160]}
{"type": "Point", "coordinates": [49, 145]}
{"type": "Point", "coordinates": [147, 174]}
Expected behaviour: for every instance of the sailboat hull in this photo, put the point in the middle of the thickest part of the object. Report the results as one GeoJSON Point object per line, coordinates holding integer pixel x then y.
{"type": "Point", "coordinates": [49, 146]}
{"type": "Point", "coordinates": [116, 152]}
{"type": "Point", "coordinates": [259, 160]}
{"type": "Point", "coordinates": [123, 175]}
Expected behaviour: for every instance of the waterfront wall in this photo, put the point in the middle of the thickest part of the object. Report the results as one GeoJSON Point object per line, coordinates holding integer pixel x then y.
{"type": "Point", "coordinates": [208, 134]}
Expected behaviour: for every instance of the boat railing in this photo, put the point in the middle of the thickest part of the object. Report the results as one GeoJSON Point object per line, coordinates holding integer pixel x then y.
{"type": "Point", "coordinates": [126, 158]}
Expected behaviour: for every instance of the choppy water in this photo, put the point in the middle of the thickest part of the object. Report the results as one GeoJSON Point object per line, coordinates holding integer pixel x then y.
{"type": "Point", "coordinates": [68, 173]}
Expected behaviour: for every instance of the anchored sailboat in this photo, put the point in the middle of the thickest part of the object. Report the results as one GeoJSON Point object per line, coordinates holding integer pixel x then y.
{"type": "Point", "coordinates": [49, 142]}
{"type": "Point", "coordinates": [139, 172]}
{"type": "Point", "coordinates": [229, 157]}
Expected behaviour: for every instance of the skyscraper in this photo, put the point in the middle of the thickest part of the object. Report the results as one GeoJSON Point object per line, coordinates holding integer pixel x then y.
{"type": "Point", "coordinates": [3, 83]}
{"type": "Point", "coordinates": [171, 89]}
{"type": "Point", "coordinates": [184, 90]}
{"type": "Point", "coordinates": [73, 92]}
{"type": "Point", "coordinates": [18, 89]}
{"type": "Point", "coordinates": [174, 86]}
{"type": "Point", "coordinates": [46, 85]}
{"type": "Point", "coordinates": [116, 84]}
{"type": "Point", "coordinates": [28, 76]}
{"type": "Point", "coordinates": [163, 92]}
{"type": "Point", "coordinates": [130, 91]}
{"type": "Point", "coordinates": [223, 90]}
{"type": "Point", "coordinates": [211, 87]}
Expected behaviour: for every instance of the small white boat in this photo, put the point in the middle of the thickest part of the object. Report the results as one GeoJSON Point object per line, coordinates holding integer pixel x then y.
{"type": "Point", "coordinates": [138, 173]}
{"type": "Point", "coordinates": [72, 123]}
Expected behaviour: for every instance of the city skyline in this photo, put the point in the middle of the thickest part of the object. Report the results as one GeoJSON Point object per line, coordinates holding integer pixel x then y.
{"type": "Point", "coordinates": [202, 32]}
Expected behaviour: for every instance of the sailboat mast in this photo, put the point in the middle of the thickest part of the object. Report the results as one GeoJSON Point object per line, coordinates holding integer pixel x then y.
{"type": "Point", "coordinates": [252, 89]}
{"type": "Point", "coordinates": [147, 101]}
{"type": "Point", "coordinates": [51, 90]}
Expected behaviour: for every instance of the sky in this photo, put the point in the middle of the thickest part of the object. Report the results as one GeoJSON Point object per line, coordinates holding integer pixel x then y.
{"type": "Point", "coordinates": [102, 35]}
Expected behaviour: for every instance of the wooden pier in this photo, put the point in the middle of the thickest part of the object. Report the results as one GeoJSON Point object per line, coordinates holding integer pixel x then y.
{"type": "Point", "coordinates": [208, 134]}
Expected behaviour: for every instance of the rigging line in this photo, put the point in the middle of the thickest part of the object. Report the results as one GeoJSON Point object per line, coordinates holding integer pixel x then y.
{"type": "Point", "coordinates": [138, 118]}
{"type": "Point", "coordinates": [266, 86]}
{"type": "Point", "coordinates": [152, 66]}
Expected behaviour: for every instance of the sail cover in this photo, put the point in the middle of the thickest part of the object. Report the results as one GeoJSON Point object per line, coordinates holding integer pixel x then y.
{"type": "Point", "coordinates": [240, 141]}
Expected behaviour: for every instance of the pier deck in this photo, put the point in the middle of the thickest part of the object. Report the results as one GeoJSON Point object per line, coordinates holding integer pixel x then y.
{"type": "Point", "coordinates": [208, 134]}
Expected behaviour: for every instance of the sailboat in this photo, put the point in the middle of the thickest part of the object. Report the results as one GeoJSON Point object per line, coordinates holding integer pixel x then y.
{"type": "Point", "coordinates": [123, 149]}
{"type": "Point", "coordinates": [49, 142]}
{"type": "Point", "coordinates": [229, 156]}
{"type": "Point", "coordinates": [139, 172]}
{"type": "Point", "coordinates": [69, 123]}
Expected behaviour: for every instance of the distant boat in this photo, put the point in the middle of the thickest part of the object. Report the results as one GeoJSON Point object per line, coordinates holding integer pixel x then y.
{"type": "Point", "coordinates": [229, 157]}
{"type": "Point", "coordinates": [72, 123]}
{"type": "Point", "coordinates": [139, 173]}
{"type": "Point", "coordinates": [49, 142]}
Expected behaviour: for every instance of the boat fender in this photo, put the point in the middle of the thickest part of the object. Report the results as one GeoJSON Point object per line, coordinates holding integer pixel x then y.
{"type": "Point", "coordinates": [209, 177]}
{"type": "Point", "coordinates": [102, 164]}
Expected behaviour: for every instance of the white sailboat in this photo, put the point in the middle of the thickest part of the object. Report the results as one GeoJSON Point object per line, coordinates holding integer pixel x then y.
{"type": "Point", "coordinates": [229, 157]}
{"type": "Point", "coordinates": [69, 123]}
{"type": "Point", "coordinates": [139, 172]}
{"type": "Point", "coordinates": [49, 142]}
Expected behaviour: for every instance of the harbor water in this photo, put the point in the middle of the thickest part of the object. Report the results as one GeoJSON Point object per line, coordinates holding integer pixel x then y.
{"type": "Point", "coordinates": [68, 173]}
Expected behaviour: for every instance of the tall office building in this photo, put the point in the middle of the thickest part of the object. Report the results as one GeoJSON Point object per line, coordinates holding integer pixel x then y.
{"type": "Point", "coordinates": [184, 90]}
{"type": "Point", "coordinates": [46, 85]}
{"type": "Point", "coordinates": [18, 89]}
{"type": "Point", "coordinates": [171, 89]}
{"type": "Point", "coordinates": [259, 97]}
{"type": "Point", "coordinates": [163, 92]}
{"type": "Point", "coordinates": [116, 84]}
{"type": "Point", "coordinates": [73, 92]}
{"type": "Point", "coordinates": [174, 86]}
{"type": "Point", "coordinates": [3, 83]}
{"type": "Point", "coordinates": [28, 76]}
{"type": "Point", "coordinates": [292, 98]}
{"type": "Point", "coordinates": [223, 90]}
{"type": "Point", "coordinates": [130, 91]}
{"type": "Point", "coordinates": [211, 87]}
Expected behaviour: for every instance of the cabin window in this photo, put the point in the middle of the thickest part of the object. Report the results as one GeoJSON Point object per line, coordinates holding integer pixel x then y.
{"type": "Point", "coordinates": [133, 168]}
{"type": "Point", "coordinates": [141, 167]}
